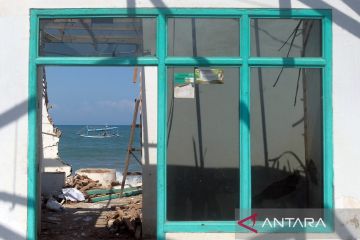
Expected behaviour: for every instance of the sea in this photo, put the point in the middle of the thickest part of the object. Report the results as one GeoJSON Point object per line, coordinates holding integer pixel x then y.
{"type": "Point", "coordinates": [82, 152]}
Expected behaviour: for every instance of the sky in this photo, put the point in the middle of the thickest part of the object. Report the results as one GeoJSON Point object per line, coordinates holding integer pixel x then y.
{"type": "Point", "coordinates": [91, 95]}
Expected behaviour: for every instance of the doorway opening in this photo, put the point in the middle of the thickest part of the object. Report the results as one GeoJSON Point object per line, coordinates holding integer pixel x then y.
{"type": "Point", "coordinates": [91, 155]}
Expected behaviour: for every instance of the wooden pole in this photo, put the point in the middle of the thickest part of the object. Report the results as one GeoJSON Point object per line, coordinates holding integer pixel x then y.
{"type": "Point", "coordinates": [130, 148]}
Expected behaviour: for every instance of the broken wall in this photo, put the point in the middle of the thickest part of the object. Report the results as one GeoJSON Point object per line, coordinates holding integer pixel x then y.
{"type": "Point", "coordinates": [53, 169]}
{"type": "Point", "coordinates": [51, 161]}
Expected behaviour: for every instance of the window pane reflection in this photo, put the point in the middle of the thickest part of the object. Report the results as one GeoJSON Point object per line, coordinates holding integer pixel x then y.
{"type": "Point", "coordinates": [203, 146]}
{"type": "Point", "coordinates": [286, 138]}
{"type": "Point", "coordinates": [203, 37]}
{"type": "Point", "coordinates": [286, 38]}
{"type": "Point", "coordinates": [107, 37]}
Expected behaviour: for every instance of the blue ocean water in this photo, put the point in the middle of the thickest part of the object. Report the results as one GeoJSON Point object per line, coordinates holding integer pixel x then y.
{"type": "Point", "coordinates": [82, 152]}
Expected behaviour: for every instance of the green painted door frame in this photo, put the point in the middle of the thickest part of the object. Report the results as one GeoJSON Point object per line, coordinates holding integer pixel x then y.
{"type": "Point", "coordinates": [162, 61]}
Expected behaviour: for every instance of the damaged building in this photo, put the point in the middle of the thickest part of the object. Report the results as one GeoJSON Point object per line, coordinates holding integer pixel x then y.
{"type": "Point", "coordinates": [248, 128]}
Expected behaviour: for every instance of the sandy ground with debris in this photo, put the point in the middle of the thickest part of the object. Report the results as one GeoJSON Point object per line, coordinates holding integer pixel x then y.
{"type": "Point", "coordinates": [84, 221]}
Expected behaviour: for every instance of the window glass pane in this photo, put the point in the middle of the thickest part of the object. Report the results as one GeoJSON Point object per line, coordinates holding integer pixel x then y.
{"type": "Point", "coordinates": [203, 37]}
{"type": "Point", "coordinates": [108, 37]}
{"type": "Point", "coordinates": [285, 38]}
{"type": "Point", "coordinates": [286, 138]}
{"type": "Point", "coordinates": [202, 145]}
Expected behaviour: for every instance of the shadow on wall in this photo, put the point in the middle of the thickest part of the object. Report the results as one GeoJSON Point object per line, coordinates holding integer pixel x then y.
{"type": "Point", "coordinates": [14, 113]}
{"type": "Point", "coordinates": [12, 116]}
{"type": "Point", "coordinates": [9, 234]}
{"type": "Point", "coordinates": [5, 232]}
{"type": "Point", "coordinates": [339, 18]}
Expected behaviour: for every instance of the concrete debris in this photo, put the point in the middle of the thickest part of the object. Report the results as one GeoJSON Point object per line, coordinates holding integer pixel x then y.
{"type": "Point", "coordinates": [82, 183]}
{"type": "Point", "coordinates": [104, 176]}
{"type": "Point", "coordinates": [127, 218]}
{"type": "Point", "coordinates": [96, 220]}
{"type": "Point", "coordinates": [116, 218]}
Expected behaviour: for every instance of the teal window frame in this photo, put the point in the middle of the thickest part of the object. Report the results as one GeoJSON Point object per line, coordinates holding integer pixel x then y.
{"type": "Point", "coordinates": [162, 61]}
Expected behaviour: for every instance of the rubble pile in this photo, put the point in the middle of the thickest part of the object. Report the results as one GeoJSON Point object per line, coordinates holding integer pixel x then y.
{"type": "Point", "coordinates": [81, 182]}
{"type": "Point", "coordinates": [115, 213]}
{"type": "Point", "coordinates": [127, 218]}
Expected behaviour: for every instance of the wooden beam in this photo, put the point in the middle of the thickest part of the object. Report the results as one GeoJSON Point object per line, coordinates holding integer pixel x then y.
{"type": "Point", "coordinates": [131, 141]}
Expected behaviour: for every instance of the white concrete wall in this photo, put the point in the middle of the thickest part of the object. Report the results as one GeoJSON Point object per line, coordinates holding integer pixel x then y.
{"type": "Point", "coordinates": [149, 151]}
{"type": "Point", "coordinates": [14, 61]}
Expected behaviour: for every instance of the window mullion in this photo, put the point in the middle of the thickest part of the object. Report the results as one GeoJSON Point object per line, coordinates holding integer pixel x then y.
{"type": "Point", "coordinates": [327, 120]}
{"type": "Point", "coordinates": [161, 131]}
{"type": "Point", "coordinates": [245, 164]}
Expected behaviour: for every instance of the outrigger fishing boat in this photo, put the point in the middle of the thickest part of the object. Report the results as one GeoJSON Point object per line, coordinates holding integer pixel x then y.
{"type": "Point", "coordinates": [104, 132]}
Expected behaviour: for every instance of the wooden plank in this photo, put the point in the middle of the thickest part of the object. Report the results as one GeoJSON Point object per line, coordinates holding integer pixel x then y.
{"type": "Point", "coordinates": [131, 141]}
